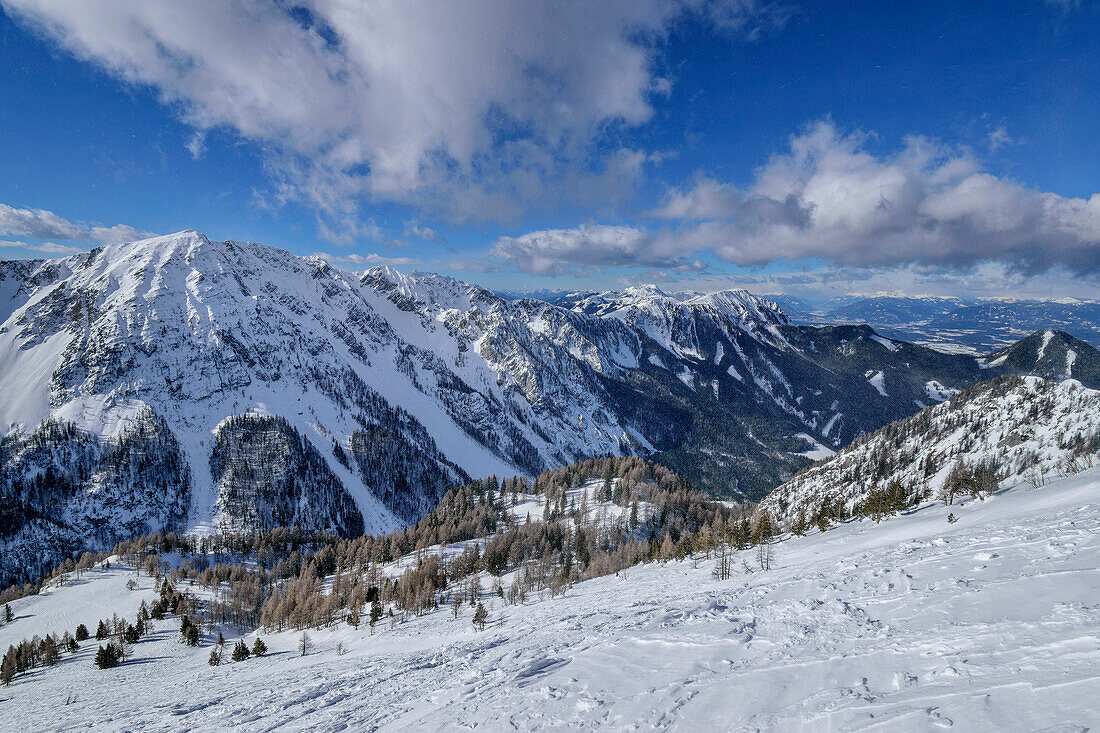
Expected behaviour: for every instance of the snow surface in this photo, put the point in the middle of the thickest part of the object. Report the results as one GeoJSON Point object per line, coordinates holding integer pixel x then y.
{"type": "Point", "coordinates": [1047, 336]}
{"type": "Point", "coordinates": [988, 624]}
{"type": "Point", "coordinates": [890, 345]}
{"type": "Point", "coordinates": [817, 450]}
{"type": "Point", "coordinates": [878, 381]}
{"type": "Point", "coordinates": [939, 392]}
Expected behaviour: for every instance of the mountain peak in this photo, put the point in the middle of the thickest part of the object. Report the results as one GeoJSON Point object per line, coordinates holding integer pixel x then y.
{"type": "Point", "coordinates": [1050, 353]}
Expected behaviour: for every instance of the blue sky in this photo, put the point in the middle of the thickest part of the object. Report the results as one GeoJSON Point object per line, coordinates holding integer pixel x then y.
{"type": "Point", "coordinates": [812, 148]}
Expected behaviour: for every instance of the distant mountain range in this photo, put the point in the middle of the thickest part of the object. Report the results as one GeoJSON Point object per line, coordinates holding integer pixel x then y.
{"type": "Point", "coordinates": [184, 384]}
{"type": "Point", "coordinates": [953, 324]}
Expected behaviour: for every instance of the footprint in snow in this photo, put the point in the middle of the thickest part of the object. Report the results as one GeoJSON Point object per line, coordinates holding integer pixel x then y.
{"type": "Point", "coordinates": [938, 719]}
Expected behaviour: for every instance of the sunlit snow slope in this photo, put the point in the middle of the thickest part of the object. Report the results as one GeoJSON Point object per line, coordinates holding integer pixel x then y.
{"type": "Point", "coordinates": [988, 624]}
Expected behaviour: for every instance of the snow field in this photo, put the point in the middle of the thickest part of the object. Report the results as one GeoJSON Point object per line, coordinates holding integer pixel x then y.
{"type": "Point", "coordinates": [988, 624]}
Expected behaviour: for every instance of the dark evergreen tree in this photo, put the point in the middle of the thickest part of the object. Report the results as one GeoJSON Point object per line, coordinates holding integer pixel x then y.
{"type": "Point", "coordinates": [81, 633]}
{"type": "Point", "coordinates": [375, 613]}
{"type": "Point", "coordinates": [8, 666]}
{"type": "Point", "coordinates": [259, 648]}
{"type": "Point", "coordinates": [107, 657]}
{"type": "Point", "coordinates": [49, 651]}
{"type": "Point", "coordinates": [481, 616]}
{"type": "Point", "coordinates": [240, 651]}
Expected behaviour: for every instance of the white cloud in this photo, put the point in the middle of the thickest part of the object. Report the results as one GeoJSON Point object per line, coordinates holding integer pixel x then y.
{"type": "Point", "coordinates": [414, 229]}
{"type": "Point", "coordinates": [368, 260]}
{"type": "Point", "coordinates": [473, 109]}
{"type": "Point", "coordinates": [830, 198]}
{"type": "Point", "coordinates": [42, 224]}
{"type": "Point", "coordinates": [47, 248]}
{"type": "Point", "coordinates": [999, 138]}
{"type": "Point", "coordinates": [557, 251]}
{"type": "Point", "coordinates": [37, 223]}
{"type": "Point", "coordinates": [987, 279]}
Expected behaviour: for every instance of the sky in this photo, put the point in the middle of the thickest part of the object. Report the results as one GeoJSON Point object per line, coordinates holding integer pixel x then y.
{"type": "Point", "coordinates": [808, 148]}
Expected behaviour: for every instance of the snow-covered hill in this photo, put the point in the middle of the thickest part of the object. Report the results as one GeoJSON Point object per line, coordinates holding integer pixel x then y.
{"type": "Point", "coordinates": [916, 624]}
{"type": "Point", "coordinates": [371, 394]}
{"type": "Point", "coordinates": [1052, 355]}
{"type": "Point", "coordinates": [1025, 428]}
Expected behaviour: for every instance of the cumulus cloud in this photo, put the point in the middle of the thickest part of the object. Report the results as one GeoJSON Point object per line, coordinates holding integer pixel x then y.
{"type": "Point", "coordinates": [472, 109]}
{"type": "Point", "coordinates": [369, 260]}
{"type": "Point", "coordinates": [47, 248]}
{"type": "Point", "coordinates": [829, 197]}
{"type": "Point", "coordinates": [414, 229]}
{"type": "Point", "coordinates": [42, 224]}
{"type": "Point", "coordinates": [38, 223]}
{"type": "Point", "coordinates": [558, 251]}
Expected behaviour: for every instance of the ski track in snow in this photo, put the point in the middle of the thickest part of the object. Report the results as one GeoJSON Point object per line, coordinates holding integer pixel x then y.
{"type": "Point", "coordinates": [914, 624]}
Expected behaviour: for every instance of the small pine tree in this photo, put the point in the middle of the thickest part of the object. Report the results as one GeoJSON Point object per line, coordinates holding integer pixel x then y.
{"type": "Point", "coordinates": [81, 633]}
{"type": "Point", "coordinates": [49, 651]}
{"type": "Point", "coordinates": [7, 667]}
{"type": "Point", "coordinates": [481, 616]}
{"type": "Point", "coordinates": [106, 657]}
{"type": "Point", "coordinates": [259, 648]}
{"type": "Point", "coordinates": [240, 651]}
{"type": "Point", "coordinates": [131, 635]}
{"type": "Point", "coordinates": [375, 613]}
{"type": "Point", "coordinates": [958, 482]}
{"type": "Point", "coordinates": [215, 657]}
{"type": "Point", "coordinates": [8, 615]}
{"type": "Point", "coordinates": [101, 631]}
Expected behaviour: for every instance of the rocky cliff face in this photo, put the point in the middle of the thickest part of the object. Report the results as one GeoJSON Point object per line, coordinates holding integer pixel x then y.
{"type": "Point", "coordinates": [64, 490]}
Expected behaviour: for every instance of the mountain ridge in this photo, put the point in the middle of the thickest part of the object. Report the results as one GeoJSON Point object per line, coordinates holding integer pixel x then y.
{"type": "Point", "coordinates": [401, 385]}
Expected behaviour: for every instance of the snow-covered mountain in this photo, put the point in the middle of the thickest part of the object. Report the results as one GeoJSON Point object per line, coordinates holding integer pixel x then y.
{"type": "Point", "coordinates": [369, 394]}
{"type": "Point", "coordinates": [1025, 428]}
{"type": "Point", "coordinates": [1052, 355]}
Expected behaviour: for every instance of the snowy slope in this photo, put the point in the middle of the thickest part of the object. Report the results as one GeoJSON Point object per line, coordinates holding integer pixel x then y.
{"type": "Point", "coordinates": [1028, 428]}
{"type": "Point", "coordinates": [915, 624]}
{"type": "Point", "coordinates": [198, 331]}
